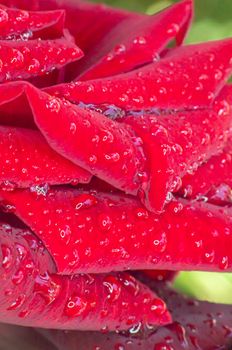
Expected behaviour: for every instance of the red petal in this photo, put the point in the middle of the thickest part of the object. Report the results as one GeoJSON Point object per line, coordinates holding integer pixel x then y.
{"type": "Point", "coordinates": [88, 29]}
{"type": "Point", "coordinates": [89, 24]}
{"type": "Point", "coordinates": [188, 77]}
{"type": "Point", "coordinates": [100, 145]}
{"type": "Point", "coordinates": [138, 41]}
{"type": "Point", "coordinates": [16, 22]}
{"type": "Point", "coordinates": [23, 60]}
{"type": "Point", "coordinates": [173, 144]}
{"type": "Point", "coordinates": [111, 150]}
{"type": "Point", "coordinates": [31, 296]}
{"type": "Point", "coordinates": [25, 163]}
{"type": "Point", "coordinates": [212, 181]}
{"type": "Point", "coordinates": [14, 108]}
{"type": "Point", "coordinates": [96, 232]}
{"type": "Point", "coordinates": [82, 20]}
{"type": "Point", "coordinates": [178, 143]}
{"type": "Point", "coordinates": [198, 325]}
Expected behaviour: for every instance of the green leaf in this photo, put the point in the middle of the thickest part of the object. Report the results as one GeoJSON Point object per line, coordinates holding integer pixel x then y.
{"type": "Point", "coordinates": [215, 287]}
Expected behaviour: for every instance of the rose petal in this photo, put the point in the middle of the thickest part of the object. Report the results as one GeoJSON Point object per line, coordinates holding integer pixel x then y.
{"type": "Point", "coordinates": [212, 181]}
{"type": "Point", "coordinates": [188, 77]}
{"type": "Point", "coordinates": [88, 30]}
{"type": "Point", "coordinates": [197, 325]}
{"type": "Point", "coordinates": [100, 145]}
{"type": "Point", "coordinates": [94, 232]}
{"type": "Point", "coordinates": [176, 144]}
{"type": "Point", "coordinates": [135, 42]}
{"type": "Point", "coordinates": [173, 143]}
{"type": "Point", "coordinates": [20, 60]}
{"type": "Point", "coordinates": [25, 23]}
{"type": "Point", "coordinates": [24, 163]}
{"type": "Point", "coordinates": [31, 296]}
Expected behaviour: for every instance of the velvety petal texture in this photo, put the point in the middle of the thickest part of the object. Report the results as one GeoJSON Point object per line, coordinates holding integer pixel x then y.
{"type": "Point", "coordinates": [187, 77]}
{"type": "Point", "coordinates": [115, 175]}
{"type": "Point", "coordinates": [27, 24]}
{"type": "Point", "coordinates": [99, 232]}
{"type": "Point", "coordinates": [33, 296]}
{"type": "Point", "coordinates": [198, 325]}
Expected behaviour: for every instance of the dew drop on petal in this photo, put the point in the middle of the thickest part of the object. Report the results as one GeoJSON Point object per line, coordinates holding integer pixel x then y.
{"type": "Point", "coordinates": [158, 306]}
{"type": "Point", "coordinates": [75, 306]}
{"type": "Point", "coordinates": [53, 105]}
{"type": "Point", "coordinates": [17, 303]}
{"type": "Point", "coordinates": [47, 287]}
{"type": "Point", "coordinates": [65, 234]}
{"type": "Point", "coordinates": [84, 201]}
{"type": "Point", "coordinates": [173, 29]}
{"type": "Point", "coordinates": [7, 256]}
{"type": "Point", "coordinates": [34, 66]}
{"type": "Point", "coordinates": [73, 128]}
{"type": "Point", "coordinates": [224, 263]}
{"type": "Point", "coordinates": [113, 286]}
{"type": "Point", "coordinates": [18, 277]}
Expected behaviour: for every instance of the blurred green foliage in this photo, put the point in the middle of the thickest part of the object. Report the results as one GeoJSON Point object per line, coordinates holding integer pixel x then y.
{"type": "Point", "coordinates": [213, 20]}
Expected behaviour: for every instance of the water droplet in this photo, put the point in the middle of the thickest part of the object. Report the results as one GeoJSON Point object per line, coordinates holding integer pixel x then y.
{"type": "Point", "coordinates": [84, 201]}
{"type": "Point", "coordinates": [93, 159]}
{"type": "Point", "coordinates": [130, 283]}
{"type": "Point", "coordinates": [47, 287]}
{"type": "Point", "coordinates": [218, 74]}
{"type": "Point", "coordinates": [53, 105]}
{"type": "Point", "coordinates": [7, 207]}
{"type": "Point", "coordinates": [177, 184]}
{"type": "Point", "coordinates": [135, 329]}
{"type": "Point", "coordinates": [65, 234]}
{"type": "Point", "coordinates": [210, 96]}
{"type": "Point", "coordinates": [22, 16]}
{"type": "Point", "coordinates": [8, 185]}
{"type": "Point", "coordinates": [113, 286]}
{"type": "Point", "coordinates": [18, 277]}
{"type": "Point", "coordinates": [17, 303]}
{"type": "Point", "coordinates": [7, 256]}
{"type": "Point", "coordinates": [108, 137]}
{"type": "Point", "coordinates": [210, 256]}
{"type": "Point", "coordinates": [224, 263]}
{"type": "Point", "coordinates": [141, 213]}
{"type": "Point", "coordinates": [158, 306]}
{"type": "Point", "coordinates": [22, 251]}
{"type": "Point", "coordinates": [73, 128]}
{"type": "Point", "coordinates": [113, 157]}
{"type": "Point", "coordinates": [119, 49]}
{"type": "Point", "coordinates": [160, 242]}
{"type": "Point", "coordinates": [17, 58]}
{"type": "Point", "coordinates": [140, 40]}
{"type": "Point", "coordinates": [177, 207]}
{"type": "Point", "coordinates": [34, 67]}
{"type": "Point", "coordinates": [75, 306]}
{"type": "Point", "coordinates": [180, 332]}
{"type": "Point", "coordinates": [105, 222]}
{"type": "Point", "coordinates": [173, 29]}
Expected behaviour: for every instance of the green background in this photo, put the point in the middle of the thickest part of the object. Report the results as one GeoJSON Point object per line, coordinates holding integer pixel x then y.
{"type": "Point", "coordinates": [213, 20]}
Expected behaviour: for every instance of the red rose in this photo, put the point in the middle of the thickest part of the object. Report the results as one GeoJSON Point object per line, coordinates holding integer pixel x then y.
{"type": "Point", "coordinates": [115, 157]}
